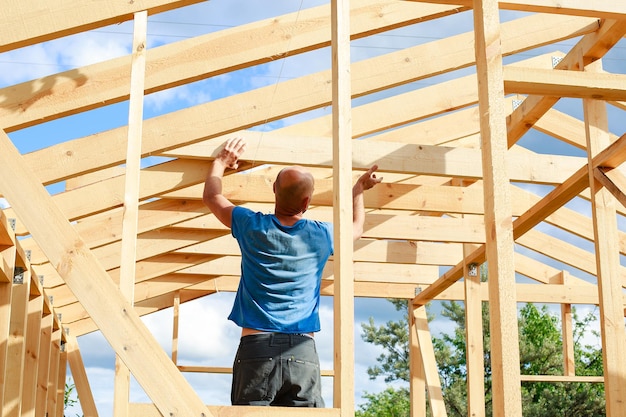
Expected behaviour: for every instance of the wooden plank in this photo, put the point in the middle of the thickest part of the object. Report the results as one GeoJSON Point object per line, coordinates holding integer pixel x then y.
{"type": "Point", "coordinates": [417, 383]}
{"type": "Point", "coordinates": [612, 156]}
{"type": "Point", "coordinates": [128, 252]}
{"type": "Point", "coordinates": [175, 327]}
{"type": "Point", "coordinates": [29, 22]}
{"type": "Point", "coordinates": [579, 293]}
{"type": "Point", "coordinates": [149, 410]}
{"type": "Point", "coordinates": [16, 346]}
{"type": "Point", "coordinates": [61, 380]}
{"type": "Point", "coordinates": [120, 325]}
{"type": "Point", "coordinates": [433, 383]}
{"type": "Point", "coordinates": [410, 106]}
{"type": "Point", "coordinates": [207, 56]}
{"type": "Point", "coordinates": [561, 83]}
{"type": "Point", "coordinates": [567, 333]}
{"type": "Point", "coordinates": [393, 157]}
{"type": "Point", "coordinates": [614, 181]}
{"type": "Point", "coordinates": [498, 228]}
{"type": "Point", "coordinates": [343, 231]}
{"type": "Point", "coordinates": [53, 374]}
{"type": "Point", "coordinates": [613, 334]}
{"type": "Point", "coordinates": [605, 9]}
{"type": "Point", "coordinates": [165, 132]}
{"type": "Point", "coordinates": [79, 374]}
{"type": "Point", "coordinates": [45, 348]}
{"type": "Point", "coordinates": [590, 48]}
{"type": "Point", "coordinates": [474, 339]}
{"type": "Point", "coordinates": [562, 251]}
{"type": "Point", "coordinates": [32, 350]}
{"type": "Point", "coordinates": [560, 378]}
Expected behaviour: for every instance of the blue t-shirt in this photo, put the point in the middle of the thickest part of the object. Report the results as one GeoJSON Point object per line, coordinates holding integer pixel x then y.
{"type": "Point", "coordinates": [281, 272]}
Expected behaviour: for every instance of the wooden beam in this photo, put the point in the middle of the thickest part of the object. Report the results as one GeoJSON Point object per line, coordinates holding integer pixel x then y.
{"type": "Point", "coordinates": [128, 252]}
{"type": "Point", "coordinates": [29, 22]}
{"type": "Point", "coordinates": [43, 373]}
{"type": "Point", "coordinates": [119, 323]}
{"type": "Point", "coordinates": [149, 410]}
{"type": "Point", "coordinates": [590, 48]}
{"type": "Point", "coordinates": [499, 247]}
{"type": "Point", "coordinates": [417, 383]}
{"type": "Point", "coordinates": [391, 70]}
{"type": "Point", "coordinates": [610, 284]}
{"type": "Point", "coordinates": [612, 157]}
{"type": "Point", "coordinates": [561, 83]}
{"type": "Point", "coordinates": [614, 181]}
{"type": "Point", "coordinates": [16, 343]}
{"type": "Point", "coordinates": [474, 338]}
{"type": "Point", "coordinates": [79, 374]}
{"type": "Point", "coordinates": [567, 333]}
{"type": "Point", "coordinates": [203, 57]}
{"type": "Point", "coordinates": [604, 9]}
{"type": "Point", "coordinates": [53, 373]}
{"type": "Point", "coordinates": [32, 346]}
{"type": "Point", "coordinates": [429, 362]}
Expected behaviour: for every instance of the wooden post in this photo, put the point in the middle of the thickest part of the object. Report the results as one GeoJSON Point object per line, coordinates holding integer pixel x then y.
{"type": "Point", "coordinates": [416, 371]}
{"type": "Point", "coordinates": [607, 261]}
{"type": "Point", "coordinates": [47, 324]}
{"type": "Point", "coordinates": [7, 256]}
{"type": "Point", "coordinates": [343, 299]}
{"type": "Point", "coordinates": [100, 297]}
{"type": "Point", "coordinates": [77, 367]}
{"type": "Point", "coordinates": [429, 363]}
{"type": "Point", "coordinates": [53, 374]}
{"type": "Point", "coordinates": [32, 353]}
{"type": "Point", "coordinates": [175, 327]}
{"type": "Point", "coordinates": [567, 331]}
{"type": "Point", "coordinates": [507, 400]}
{"type": "Point", "coordinates": [61, 377]}
{"type": "Point", "coordinates": [13, 388]}
{"type": "Point", "coordinates": [474, 338]}
{"type": "Point", "coordinates": [131, 197]}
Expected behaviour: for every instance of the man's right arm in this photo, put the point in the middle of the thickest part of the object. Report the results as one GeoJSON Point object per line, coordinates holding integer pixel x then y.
{"type": "Point", "coordinates": [212, 196]}
{"type": "Point", "coordinates": [365, 182]}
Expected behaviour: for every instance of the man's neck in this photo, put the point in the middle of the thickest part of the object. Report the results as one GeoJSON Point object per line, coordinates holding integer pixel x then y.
{"type": "Point", "coordinates": [287, 219]}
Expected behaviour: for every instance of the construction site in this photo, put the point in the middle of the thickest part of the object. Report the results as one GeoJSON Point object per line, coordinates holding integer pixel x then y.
{"type": "Point", "coordinates": [498, 129]}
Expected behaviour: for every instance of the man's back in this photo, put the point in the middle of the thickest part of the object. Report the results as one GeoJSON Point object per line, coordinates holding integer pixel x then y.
{"type": "Point", "coordinates": [281, 272]}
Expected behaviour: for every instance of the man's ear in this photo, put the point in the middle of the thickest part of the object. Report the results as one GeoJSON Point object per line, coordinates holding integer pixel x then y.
{"type": "Point", "coordinates": [305, 204]}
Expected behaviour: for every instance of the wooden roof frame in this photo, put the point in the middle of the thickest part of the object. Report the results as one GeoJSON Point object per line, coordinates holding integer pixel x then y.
{"type": "Point", "coordinates": [439, 208]}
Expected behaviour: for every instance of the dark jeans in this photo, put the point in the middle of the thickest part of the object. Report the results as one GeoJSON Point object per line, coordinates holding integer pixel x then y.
{"type": "Point", "coordinates": [277, 369]}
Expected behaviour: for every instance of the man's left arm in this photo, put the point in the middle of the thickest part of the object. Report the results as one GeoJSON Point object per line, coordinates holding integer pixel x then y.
{"type": "Point", "coordinates": [212, 196]}
{"type": "Point", "coordinates": [365, 182]}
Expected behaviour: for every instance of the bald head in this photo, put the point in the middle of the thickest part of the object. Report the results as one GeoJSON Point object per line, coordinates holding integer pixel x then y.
{"type": "Point", "coordinates": [293, 189]}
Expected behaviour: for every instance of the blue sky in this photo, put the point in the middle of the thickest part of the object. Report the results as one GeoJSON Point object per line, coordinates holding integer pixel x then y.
{"type": "Point", "coordinates": [217, 344]}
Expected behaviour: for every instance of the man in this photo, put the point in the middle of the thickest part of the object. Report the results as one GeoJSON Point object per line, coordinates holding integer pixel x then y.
{"type": "Point", "coordinates": [277, 302]}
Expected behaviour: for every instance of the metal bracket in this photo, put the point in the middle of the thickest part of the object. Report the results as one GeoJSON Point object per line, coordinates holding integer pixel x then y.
{"type": "Point", "coordinates": [27, 252]}
{"type": "Point", "coordinates": [472, 270]}
{"type": "Point", "coordinates": [556, 60]}
{"type": "Point", "coordinates": [12, 223]}
{"type": "Point", "coordinates": [18, 275]}
{"type": "Point", "coordinates": [418, 290]}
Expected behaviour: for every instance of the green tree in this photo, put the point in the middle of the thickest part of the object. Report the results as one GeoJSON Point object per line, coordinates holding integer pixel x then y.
{"type": "Point", "coordinates": [540, 354]}
{"type": "Point", "coordinates": [69, 397]}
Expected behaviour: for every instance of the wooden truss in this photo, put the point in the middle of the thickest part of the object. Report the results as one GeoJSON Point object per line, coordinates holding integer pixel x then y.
{"type": "Point", "coordinates": [120, 243]}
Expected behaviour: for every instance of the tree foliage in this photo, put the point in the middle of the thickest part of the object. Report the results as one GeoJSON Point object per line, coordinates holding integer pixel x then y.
{"type": "Point", "coordinates": [540, 354]}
